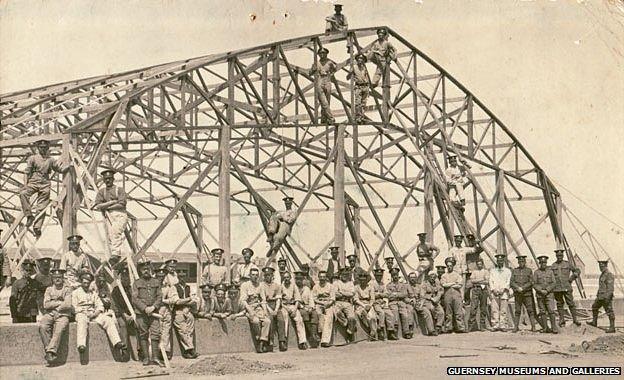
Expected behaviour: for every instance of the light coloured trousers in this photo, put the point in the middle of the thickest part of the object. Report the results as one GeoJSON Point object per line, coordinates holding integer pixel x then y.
{"type": "Point", "coordinates": [105, 321]}
{"type": "Point", "coordinates": [118, 220]}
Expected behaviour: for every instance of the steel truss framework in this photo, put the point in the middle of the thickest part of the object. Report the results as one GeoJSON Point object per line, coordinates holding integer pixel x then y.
{"type": "Point", "coordinates": [242, 129]}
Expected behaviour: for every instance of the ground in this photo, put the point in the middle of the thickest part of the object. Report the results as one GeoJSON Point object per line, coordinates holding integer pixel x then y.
{"type": "Point", "coordinates": [421, 357]}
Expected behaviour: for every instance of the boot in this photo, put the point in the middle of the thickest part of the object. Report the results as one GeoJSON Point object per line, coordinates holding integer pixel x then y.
{"type": "Point", "coordinates": [575, 317]}
{"type": "Point", "coordinates": [283, 346]}
{"type": "Point", "coordinates": [532, 320]}
{"type": "Point", "coordinates": [540, 321]}
{"type": "Point", "coordinates": [611, 328]}
{"type": "Point", "coordinates": [555, 330]}
{"type": "Point", "coordinates": [156, 354]}
{"type": "Point", "coordinates": [381, 334]}
{"type": "Point", "coordinates": [594, 321]}
{"type": "Point", "coordinates": [516, 323]}
{"type": "Point", "coordinates": [561, 318]}
{"type": "Point", "coordinates": [144, 350]}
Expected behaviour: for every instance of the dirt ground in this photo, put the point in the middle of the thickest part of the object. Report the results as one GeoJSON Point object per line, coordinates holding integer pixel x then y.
{"type": "Point", "coordinates": [421, 357]}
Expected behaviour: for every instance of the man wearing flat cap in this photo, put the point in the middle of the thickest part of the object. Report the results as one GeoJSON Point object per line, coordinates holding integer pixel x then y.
{"type": "Point", "coordinates": [111, 200]}
{"type": "Point", "coordinates": [336, 22]}
{"type": "Point", "coordinates": [565, 274]}
{"type": "Point", "coordinates": [89, 308]}
{"type": "Point", "coordinates": [57, 308]}
{"type": "Point", "coordinates": [39, 167]}
{"type": "Point", "coordinates": [147, 299]}
{"type": "Point", "coordinates": [215, 272]}
{"type": "Point", "coordinates": [522, 286]}
{"type": "Point", "coordinates": [24, 293]}
{"type": "Point", "coordinates": [604, 296]}
{"type": "Point", "coordinates": [323, 71]}
{"type": "Point", "coordinates": [544, 283]}
{"type": "Point", "coordinates": [361, 83]}
{"type": "Point", "coordinates": [381, 53]}
{"type": "Point", "coordinates": [452, 282]}
{"type": "Point", "coordinates": [280, 225]}
{"type": "Point", "coordinates": [74, 262]}
{"type": "Point", "coordinates": [499, 285]}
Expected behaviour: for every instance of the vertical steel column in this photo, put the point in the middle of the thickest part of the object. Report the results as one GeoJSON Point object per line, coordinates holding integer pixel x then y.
{"type": "Point", "coordinates": [500, 212]}
{"type": "Point", "coordinates": [339, 195]}
{"type": "Point", "coordinates": [224, 171]}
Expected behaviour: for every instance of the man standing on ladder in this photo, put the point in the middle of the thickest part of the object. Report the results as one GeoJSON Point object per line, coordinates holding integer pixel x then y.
{"type": "Point", "coordinates": [455, 179]}
{"type": "Point", "coordinates": [111, 200]}
{"type": "Point", "coordinates": [280, 226]}
{"type": "Point", "coordinates": [37, 182]}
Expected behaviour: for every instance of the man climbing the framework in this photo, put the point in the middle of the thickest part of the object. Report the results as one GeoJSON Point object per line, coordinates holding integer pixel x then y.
{"type": "Point", "coordinates": [37, 182]}
{"type": "Point", "coordinates": [361, 83]}
{"type": "Point", "coordinates": [336, 22]}
{"type": "Point", "coordinates": [456, 179]}
{"type": "Point", "coordinates": [324, 70]}
{"type": "Point", "coordinates": [381, 53]}
{"type": "Point", "coordinates": [565, 274]}
{"type": "Point", "coordinates": [280, 226]}
{"type": "Point", "coordinates": [604, 297]}
{"type": "Point", "coordinates": [111, 200]}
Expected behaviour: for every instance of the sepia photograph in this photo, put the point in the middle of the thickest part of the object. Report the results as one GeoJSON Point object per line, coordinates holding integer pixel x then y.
{"type": "Point", "coordinates": [311, 189]}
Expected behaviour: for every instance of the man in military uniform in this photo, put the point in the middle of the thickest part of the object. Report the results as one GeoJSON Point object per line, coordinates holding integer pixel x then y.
{"type": "Point", "coordinates": [43, 279]}
{"type": "Point", "coordinates": [238, 308]}
{"type": "Point", "coordinates": [206, 309]}
{"type": "Point", "coordinates": [89, 308]}
{"type": "Point", "coordinates": [241, 274]}
{"type": "Point", "coordinates": [290, 308]}
{"type": "Point", "coordinates": [455, 179]}
{"type": "Point", "coordinates": [38, 170]}
{"type": "Point", "coordinates": [122, 310]}
{"type": "Point", "coordinates": [480, 279]}
{"type": "Point", "coordinates": [324, 298]}
{"type": "Point", "coordinates": [460, 254]}
{"type": "Point", "coordinates": [54, 322]}
{"type": "Point", "coordinates": [307, 308]}
{"type": "Point", "coordinates": [355, 269]}
{"type": "Point", "coordinates": [111, 200]}
{"type": "Point", "coordinates": [433, 292]}
{"type": "Point", "coordinates": [343, 309]}
{"type": "Point", "coordinates": [416, 296]}
{"type": "Point", "coordinates": [280, 225]}
{"type": "Point", "coordinates": [361, 82]}
{"type": "Point", "coordinates": [169, 296]}
{"type": "Point", "coordinates": [323, 71]}
{"type": "Point", "coordinates": [282, 268]}
{"type": "Point", "coordinates": [522, 286]}
{"type": "Point", "coordinates": [426, 252]}
{"type": "Point", "coordinates": [544, 283]}
{"type": "Point", "coordinates": [253, 298]}
{"type": "Point", "coordinates": [215, 273]}
{"type": "Point", "coordinates": [565, 274]}
{"type": "Point", "coordinates": [389, 261]}
{"type": "Point", "coordinates": [273, 303]}
{"type": "Point", "coordinates": [333, 264]}
{"type": "Point", "coordinates": [147, 299]}
{"type": "Point", "coordinates": [364, 300]}
{"type": "Point", "coordinates": [452, 283]}
{"type": "Point", "coordinates": [336, 22]}
{"type": "Point", "coordinates": [499, 286]}
{"type": "Point", "coordinates": [604, 297]}
{"type": "Point", "coordinates": [183, 319]}
{"type": "Point", "coordinates": [222, 306]}
{"type": "Point", "coordinates": [74, 262]}
{"type": "Point", "coordinates": [397, 295]}
{"type": "Point", "coordinates": [440, 270]}
{"type": "Point", "coordinates": [385, 318]}
{"type": "Point", "coordinates": [381, 53]}
{"type": "Point", "coordinates": [24, 294]}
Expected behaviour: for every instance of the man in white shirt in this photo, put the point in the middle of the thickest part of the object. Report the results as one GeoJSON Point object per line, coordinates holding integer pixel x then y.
{"type": "Point", "coordinates": [455, 179]}
{"type": "Point", "coordinates": [241, 273]}
{"type": "Point", "coordinates": [215, 273]}
{"type": "Point", "coordinates": [499, 284]}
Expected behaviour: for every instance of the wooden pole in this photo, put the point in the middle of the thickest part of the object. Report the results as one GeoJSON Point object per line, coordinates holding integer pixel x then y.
{"type": "Point", "coordinates": [69, 212]}
{"type": "Point", "coordinates": [500, 212]}
{"type": "Point", "coordinates": [339, 195]}
{"type": "Point", "coordinates": [224, 172]}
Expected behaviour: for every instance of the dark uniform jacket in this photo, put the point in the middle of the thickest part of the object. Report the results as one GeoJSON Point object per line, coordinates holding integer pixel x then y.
{"type": "Point", "coordinates": [543, 282]}
{"type": "Point", "coordinates": [147, 293]}
{"type": "Point", "coordinates": [605, 286]}
{"type": "Point", "coordinates": [522, 278]}
{"type": "Point", "coordinates": [42, 281]}
{"type": "Point", "coordinates": [564, 273]}
{"type": "Point", "coordinates": [23, 300]}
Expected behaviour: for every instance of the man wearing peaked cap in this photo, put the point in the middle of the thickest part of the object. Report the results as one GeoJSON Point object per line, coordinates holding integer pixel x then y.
{"type": "Point", "coordinates": [364, 301]}
{"type": "Point", "coordinates": [381, 53]}
{"type": "Point", "coordinates": [74, 261]}
{"type": "Point", "coordinates": [324, 299]}
{"type": "Point", "coordinates": [604, 296]}
{"type": "Point", "coordinates": [252, 298]}
{"type": "Point", "coordinates": [456, 179]}
{"type": "Point", "coordinates": [323, 71]}
{"type": "Point", "coordinates": [461, 254]}
{"type": "Point", "coordinates": [241, 272]}
{"type": "Point", "coordinates": [544, 283]}
{"type": "Point", "coordinates": [147, 300]}
{"type": "Point", "coordinates": [344, 311]}
{"type": "Point", "coordinates": [355, 269]}
{"type": "Point", "coordinates": [238, 307]}
{"type": "Point", "coordinates": [273, 297]}
{"type": "Point", "coordinates": [385, 317]}
{"type": "Point", "coordinates": [333, 264]}
{"type": "Point", "coordinates": [39, 167]}
{"type": "Point", "coordinates": [336, 22]}
{"type": "Point", "coordinates": [361, 86]}
{"type": "Point", "coordinates": [54, 321]}
{"type": "Point", "coordinates": [291, 300]}
{"type": "Point", "coordinates": [522, 285]}
{"type": "Point", "coordinates": [24, 293]}
{"type": "Point", "coordinates": [426, 251]}
{"type": "Point", "coordinates": [215, 273]}
{"type": "Point", "coordinates": [397, 295]}
{"type": "Point", "coordinates": [111, 200]}
{"type": "Point", "coordinates": [499, 285]}
{"type": "Point", "coordinates": [206, 309]}
{"type": "Point", "coordinates": [565, 273]}
{"type": "Point", "coordinates": [222, 306]}
{"type": "Point", "coordinates": [280, 225]}
{"type": "Point", "coordinates": [452, 282]}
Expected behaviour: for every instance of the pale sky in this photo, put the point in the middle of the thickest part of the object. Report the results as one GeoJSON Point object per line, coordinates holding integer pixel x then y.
{"type": "Point", "coordinates": [552, 71]}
